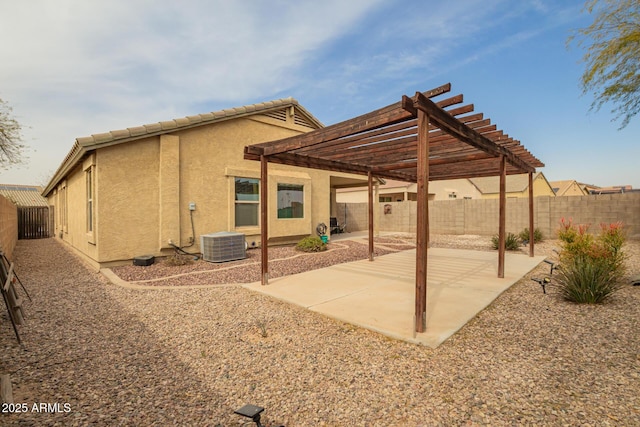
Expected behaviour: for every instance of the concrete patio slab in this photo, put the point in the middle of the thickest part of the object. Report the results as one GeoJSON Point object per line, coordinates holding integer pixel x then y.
{"type": "Point", "coordinates": [380, 295]}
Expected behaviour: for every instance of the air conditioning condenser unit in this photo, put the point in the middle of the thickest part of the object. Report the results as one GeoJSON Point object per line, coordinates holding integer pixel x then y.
{"type": "Point", "coordinates": [223, 246]}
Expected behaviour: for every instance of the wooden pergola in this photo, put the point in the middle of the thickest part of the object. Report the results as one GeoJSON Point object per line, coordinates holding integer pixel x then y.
{"type": "Point", "coordinates": [418, 140]}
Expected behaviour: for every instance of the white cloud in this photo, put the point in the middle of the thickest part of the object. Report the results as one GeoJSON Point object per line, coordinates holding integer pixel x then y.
{"type": "Point", "coordinates": [76, 67]}
{"type": "Point", "coordinates": [189, 51]}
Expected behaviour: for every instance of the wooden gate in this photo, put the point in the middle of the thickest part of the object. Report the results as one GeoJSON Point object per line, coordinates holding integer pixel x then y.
{"type": "Point", "coordinates": [33, 222]}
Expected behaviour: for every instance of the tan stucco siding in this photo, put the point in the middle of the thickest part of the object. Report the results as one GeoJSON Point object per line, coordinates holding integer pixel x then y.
{"type": "Point", "coordinates": [438, 190]}
{"type": "Point", "coordinates": [128, 199]}
{"type": "Point", "coordinates": [144, 188]}
{"type": "Point", "coordinates": [541, 187]}
{"type": "Point", "coordinates": [169, 191]}
{"type": "Point", "coordinates": [574, 190]}
{"type": "Point", "coordinates": [204, 154]}
{"type": "Point", "coordinates": [321, 202]}
{"type": "Point", "coordinates": [210, 159]}
{"type": "Point", "coordinates": [463, 188]}
{"type": "Point", "coordinates": [69, 202]}
{"type": "Point", "coordinates": [353, 196]}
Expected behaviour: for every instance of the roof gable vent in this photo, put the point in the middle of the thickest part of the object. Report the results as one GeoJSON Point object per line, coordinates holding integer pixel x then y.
{"type": "Point", "coordinates": [301, 120]}
{"type": "Point", "coordinates": [278, 115]}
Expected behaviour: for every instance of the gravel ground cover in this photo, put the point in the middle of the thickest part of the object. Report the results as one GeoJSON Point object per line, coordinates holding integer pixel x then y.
{"type": "Point", "coordinates": [191, 356]}
{"type": "Point", "coordinates": [283, 261]}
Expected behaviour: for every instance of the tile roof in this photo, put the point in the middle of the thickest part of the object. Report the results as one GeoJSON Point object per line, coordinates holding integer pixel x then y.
{"type": "Point", "coordinates": [191, 121]}
{"type": "Point", "coordinates": [83, 145]}
{"type": "Point", "coordinates": [23, 195]}
{"type": "Point", "coordinates": [561, 187]}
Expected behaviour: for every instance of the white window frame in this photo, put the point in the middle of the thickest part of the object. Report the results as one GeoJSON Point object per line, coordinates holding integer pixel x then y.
{"type": "Point", "coordinates": [246, 202]}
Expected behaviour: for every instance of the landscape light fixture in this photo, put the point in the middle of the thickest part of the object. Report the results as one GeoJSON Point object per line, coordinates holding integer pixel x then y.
{"type": "Point", "coordinates": [543, 282]}
{"type": "Point", "coordinates": [251, 411]}
{"type": "Point", "coordinates": [553, 266]}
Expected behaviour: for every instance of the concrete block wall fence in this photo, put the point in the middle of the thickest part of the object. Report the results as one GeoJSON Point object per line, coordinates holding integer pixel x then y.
{"type": "Point", "coordinates": [480, 216]}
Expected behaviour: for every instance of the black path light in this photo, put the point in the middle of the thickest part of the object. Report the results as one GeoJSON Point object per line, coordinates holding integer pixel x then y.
{"type": "Point", "coordinates": [251, 411]}
{"type": "Point", "coordinates": [543, 282]}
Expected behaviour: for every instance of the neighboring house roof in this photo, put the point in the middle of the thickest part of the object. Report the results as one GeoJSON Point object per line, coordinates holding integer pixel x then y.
{"type": "Point", "coordinates": [587, 187]}
{"type": "Point", "coordinates": [23, 195]}
{"type": "Point", "coordinates": [561, 187]}
{"type": "Point", "coordinates": [275, 109]}
{"type": "Point", "coordinates": [514, 184]}
{"type": "Point", "coordinates": [612, 190]}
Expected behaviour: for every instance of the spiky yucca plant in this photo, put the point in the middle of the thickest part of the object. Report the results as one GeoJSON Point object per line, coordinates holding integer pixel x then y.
{"type": "Point", "coordinates": [588, 280]}
{"type": "Point", "coordinates": [511, 242]}
{"type": "Point", "coordinates": [592, 266]}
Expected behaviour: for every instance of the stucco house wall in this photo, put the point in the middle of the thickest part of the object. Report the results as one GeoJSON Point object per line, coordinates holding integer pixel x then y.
{"type": "Point", "coordinates": [574, 190]}
{"type": "Point", "coordinates": [119, 199]}
{"type": "Point", "coordinates": [453, 189]}
{"type": "Point", "coordinates": [516, 186]}
{"type": "Point", "coordinates": [397, 193]}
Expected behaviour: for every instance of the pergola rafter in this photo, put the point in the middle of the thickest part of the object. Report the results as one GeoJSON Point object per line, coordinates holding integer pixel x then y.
{"type": "Point", "coordinates": [415, 140]}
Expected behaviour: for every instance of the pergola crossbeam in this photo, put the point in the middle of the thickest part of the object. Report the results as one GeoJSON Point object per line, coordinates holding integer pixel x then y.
{"type": "Point", "coordinates": [448, 123]}
{"type": "Point", "coordinates": [415, 140]}
{"type": "Point", "coordinates": [382, 117]}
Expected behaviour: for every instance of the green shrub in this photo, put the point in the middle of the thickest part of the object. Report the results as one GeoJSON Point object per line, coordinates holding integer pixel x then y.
{"type": "Point", "coordinates": [311, 244]}
{"type": "Point", "coordinates": [592, 266]}
{"type": "Point", "coordinates": [537, 235]}
{"type": "Point", "coordinates": [511, 242]}
{"type": "Point", "coordinates": [587, 280]}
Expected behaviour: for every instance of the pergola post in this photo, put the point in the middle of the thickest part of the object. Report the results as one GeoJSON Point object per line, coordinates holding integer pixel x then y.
{"type": "Point", "coordinates": [370, 199]}
{"type": "Point", "coordinates": [422, 231]}
{"type": "Point", "coordinates": [264, 219]}
{"type": "Point", "coordinates": [393, 143]}
{"type": "Point", "coordinates": [531, 233]}
{"type": "Point", "coordinates": [503, 216]}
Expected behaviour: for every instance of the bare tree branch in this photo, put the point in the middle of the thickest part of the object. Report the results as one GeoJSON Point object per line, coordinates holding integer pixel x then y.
{"type": "Point", "coordinates": [11, 147]}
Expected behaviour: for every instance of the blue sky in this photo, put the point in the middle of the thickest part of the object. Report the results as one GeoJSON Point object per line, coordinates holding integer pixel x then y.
{"type": "Point", "coordinates": [72, 68]}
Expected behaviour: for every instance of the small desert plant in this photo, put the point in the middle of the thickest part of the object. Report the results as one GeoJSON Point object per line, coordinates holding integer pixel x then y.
{"type": "Point", "coordinates": [311, 244]}
{"type": "Point", "coordinates": [592, 266]}
{"type": "Point", "coordinates": [587, 280]}
{"type": "Point", "coordinates": [511, 242]}
{"type": "Point", "coordinates": [177, 260]}
{"type": "Point", "coordinates": [262, 327]}
{"type": "Point", "coordinates": [537, 235]}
